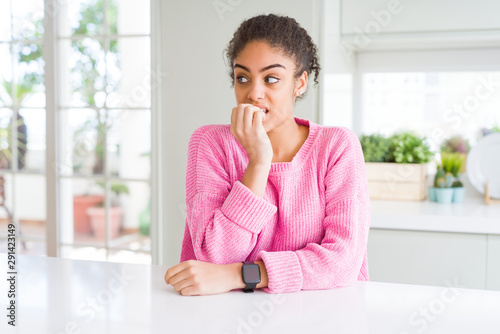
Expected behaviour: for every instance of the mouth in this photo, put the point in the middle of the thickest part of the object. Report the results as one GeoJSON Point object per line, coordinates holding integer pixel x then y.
{"type": "Point", "coordinates": [263, 108]}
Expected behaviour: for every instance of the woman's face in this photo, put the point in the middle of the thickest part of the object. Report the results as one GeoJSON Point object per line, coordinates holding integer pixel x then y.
{"type": "Point", "coordinates": [264, 77]}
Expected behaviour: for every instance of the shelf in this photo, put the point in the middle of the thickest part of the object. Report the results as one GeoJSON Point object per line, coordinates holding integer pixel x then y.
{"type": "Point", "coordinates": [471, 216]}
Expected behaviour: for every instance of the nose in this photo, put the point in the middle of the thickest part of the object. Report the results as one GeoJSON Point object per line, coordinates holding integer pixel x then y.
{"type": "Point", "coordinates": [256, 92]}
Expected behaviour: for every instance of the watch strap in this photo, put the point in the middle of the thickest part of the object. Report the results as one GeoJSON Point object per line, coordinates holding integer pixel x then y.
{"type": "Point", "coordinates": [249, 286]}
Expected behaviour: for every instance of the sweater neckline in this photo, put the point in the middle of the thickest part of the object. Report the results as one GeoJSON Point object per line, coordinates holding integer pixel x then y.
{"type": "Point", "coordinates": [301, 156]}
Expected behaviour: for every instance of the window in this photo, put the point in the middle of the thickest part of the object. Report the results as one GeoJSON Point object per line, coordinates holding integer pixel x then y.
{"type": "Point", "coordinates": [103, 169]}
{"type": "Point", "coordinates": [22, 125]}
{"type": "Point", "coordinates": [451, 102]}
{"type": "Point", "coordinates": [105, 129]}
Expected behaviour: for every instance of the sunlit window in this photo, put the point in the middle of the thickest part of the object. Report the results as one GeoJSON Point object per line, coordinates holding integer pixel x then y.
{"type": "Point", "coordinates": [104, 88]}
{"type": "Point", "coordinates": [22, 124]}
{"type": "Point", "coordinates": [435, 104]}
{"type": "Point", "coordinates": [105, 129]}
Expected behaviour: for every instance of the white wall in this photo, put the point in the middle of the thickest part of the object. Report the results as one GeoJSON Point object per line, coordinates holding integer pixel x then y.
{"type": "Point", "coordinates": [404, 16]}
{"type": "Point", "coordinates": [196, 89]}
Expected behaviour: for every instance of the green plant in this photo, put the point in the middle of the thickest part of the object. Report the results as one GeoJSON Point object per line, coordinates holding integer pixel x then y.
{"type": "Point", "coordinates": [407, 147]}
{"type": "Point", "coordinates": [440, 178]}
{"type": "Point", "coordinates": [13, 93]}
{"type": "Point", "coordinates": [375, 147]}
{"type": "Point", "coordinates": [116, 188]}
{"type": "Point", "coordinates": [452, 164]}
{"type": "Point", "coordinates": [91, 84]}
{"type": "Point", "coordinates": [455, 144]}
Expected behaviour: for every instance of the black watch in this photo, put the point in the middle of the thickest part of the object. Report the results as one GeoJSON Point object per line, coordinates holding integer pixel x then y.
{"type": "Point", "coordinates": [250, 272]}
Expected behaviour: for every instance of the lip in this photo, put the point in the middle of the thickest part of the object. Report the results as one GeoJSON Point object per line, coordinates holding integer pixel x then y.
{"type": "Point", "coordinates": [262, 107]}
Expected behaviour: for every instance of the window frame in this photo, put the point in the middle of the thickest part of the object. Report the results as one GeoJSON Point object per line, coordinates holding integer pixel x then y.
{"type": "Point", "coordinates": [53, 177]}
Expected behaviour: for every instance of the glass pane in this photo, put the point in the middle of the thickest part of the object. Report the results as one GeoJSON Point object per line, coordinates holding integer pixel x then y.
{"type": "Point", "coordinates": [78, 197]}
{"type": "Point", "coordinates": [435, 104]}
{"type": "Point", "coordinates": [82, 202]}
{"type": "Point", "coordinates": [83, 253]}
{"type": "Point", "coordinates": [132, 201]}
{"type": "Point", "coordinates": [81, 17]}
{"type": "Point", "coordinates": [129, 156]}
{"type": "Point", "coordinates": [129, 76]}
{"type": "Point", "coordinates": [5, 75]}
{"type": "Point", "coordinates": [29, 86]}
{"type": "Point", "coordinates": [133, 11]}
{"type": "Point", "coordinates": [31, 134]}
{"type": "Point", "coordinates": [83, 80]}
{"type": "Point", "coordinates": [125, 256]}
{"type": "Point", "coordinates": [5, 138]}
{"type": "Point", "coordinates": [5, 24]}
{"type": "Point", "coordinates": [82, 142]}
{"type": "Point", "coordinates": [30, 205]}
{"type": "Point", "coordinates": [27, 19]}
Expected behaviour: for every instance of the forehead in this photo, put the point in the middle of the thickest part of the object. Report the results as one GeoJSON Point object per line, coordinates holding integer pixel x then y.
{"type": "Point", "coordinates": [258, 54]}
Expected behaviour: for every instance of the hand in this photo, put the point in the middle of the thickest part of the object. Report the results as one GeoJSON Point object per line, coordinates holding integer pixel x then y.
{"type": "Point", "coordinates": [247, 128]}
{"type": "Point", "coordinates": [203, 278]}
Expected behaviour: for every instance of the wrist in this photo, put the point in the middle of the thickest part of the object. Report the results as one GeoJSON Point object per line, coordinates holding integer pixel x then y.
{"type": "Point", "coordinates": [236, 280]}
{"type": "Point", "coordinates": [259, 164]}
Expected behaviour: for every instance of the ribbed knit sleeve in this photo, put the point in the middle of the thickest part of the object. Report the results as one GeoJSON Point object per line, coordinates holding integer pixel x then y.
{"type": "Point", "coordinates": [338, 259]}
{"type": "Point", "coordinates": [223, 219]}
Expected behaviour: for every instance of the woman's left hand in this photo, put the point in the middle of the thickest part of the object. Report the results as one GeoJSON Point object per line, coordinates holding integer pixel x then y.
{"type": "Point", "coordinates": [202, 278]}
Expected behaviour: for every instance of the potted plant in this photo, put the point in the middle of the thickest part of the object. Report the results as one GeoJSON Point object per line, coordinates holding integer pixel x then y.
{"type": "Point", "coordinates": [375, 147]}
{"type": "Point", "coordinates": [457, 144]}
{"type": "Point", "coordinates": [84, 151]}
{"type": "Point", "coordinates": [396, 166]}
{"type": "Point", "coordinates": [81, 220]}
{"type": "Point", "coordinates": [447, 186]}
{"type": "Point", "coordinates": [97, 214]}
{"type": "Point", "coordinates": [457, 185]}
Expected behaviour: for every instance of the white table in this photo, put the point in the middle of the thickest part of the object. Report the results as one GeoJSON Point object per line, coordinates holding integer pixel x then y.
{"type": "Point", "coordinates": [71, 296]}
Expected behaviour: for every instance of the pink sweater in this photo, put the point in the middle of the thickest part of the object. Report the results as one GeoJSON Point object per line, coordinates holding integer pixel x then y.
{"type": "Point", "coordinates": [311, 227]}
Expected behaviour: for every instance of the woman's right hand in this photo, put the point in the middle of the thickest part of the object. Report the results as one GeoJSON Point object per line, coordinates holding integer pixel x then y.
{"type": "Point", "coordinates": [247, 128]}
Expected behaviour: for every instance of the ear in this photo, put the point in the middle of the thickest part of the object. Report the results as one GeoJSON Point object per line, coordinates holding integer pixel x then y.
{"type": "Point", "coordinates": [301, 84]}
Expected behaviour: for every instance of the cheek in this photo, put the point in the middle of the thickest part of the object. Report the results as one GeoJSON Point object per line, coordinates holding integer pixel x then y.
{"type": "Point", "coordinates": [239, 94]}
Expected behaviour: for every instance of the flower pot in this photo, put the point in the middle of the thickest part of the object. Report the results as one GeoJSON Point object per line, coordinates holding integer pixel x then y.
{"type": "Point", "coordinates": [98, 221]}
{"type": "Point", "coordinates": [444, 195]}
{"type": "Point", "coordinates": [81, 220]}
{"type": "Point", "coordinates": [394, 181]}
{"type": "Point", "coordinates": [432, 194]}
{"type": "Point", "coordinates": [449, 180]}
{"type": "Point", "coordinates": [458, 194]}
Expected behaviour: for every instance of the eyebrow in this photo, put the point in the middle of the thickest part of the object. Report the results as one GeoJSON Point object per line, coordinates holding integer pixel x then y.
{"type": "Point", "coordinates": [262, 69]}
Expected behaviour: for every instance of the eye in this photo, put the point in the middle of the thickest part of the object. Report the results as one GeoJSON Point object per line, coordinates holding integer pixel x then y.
{"type": "Point", "coordinates": [241, 79]}
{"type": "Point", "coordinates": [272, 80]}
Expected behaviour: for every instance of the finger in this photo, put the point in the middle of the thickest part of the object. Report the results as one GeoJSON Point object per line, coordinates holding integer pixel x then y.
{"type": "Point", "coordinates": [185, 283]}
{"type": "Point", "coordinates": [174, 270]}
{"type": "Point", "coordinates": [249, 116]}
{"type": "Point", "coordinates": [233, 119]}
{"type": "Point", "coordinates": [189, 291]}
{"type": "Point", "coordinates": [241, 113]}
{"type": "Point", "coordinates": [239, 117]}
{"type": "Point", "coordinates": [257, 121]}
{"type": "Point", "coordinates": [179, 277]}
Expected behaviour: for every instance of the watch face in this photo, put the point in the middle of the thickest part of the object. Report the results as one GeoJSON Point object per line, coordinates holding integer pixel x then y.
{"type": "Point", "coordinates": [251, 273]}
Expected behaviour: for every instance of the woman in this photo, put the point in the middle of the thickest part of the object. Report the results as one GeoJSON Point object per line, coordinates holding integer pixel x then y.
{"type": "Point", "coordinates": [272, 188]}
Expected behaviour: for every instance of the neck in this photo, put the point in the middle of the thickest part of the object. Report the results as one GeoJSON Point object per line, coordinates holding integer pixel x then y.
{"type": "Point", "coordinates": [287, 139]}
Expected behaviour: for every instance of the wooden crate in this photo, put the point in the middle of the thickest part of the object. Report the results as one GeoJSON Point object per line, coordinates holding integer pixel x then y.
{"type": "Point", "coordinates": [393, 181]}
